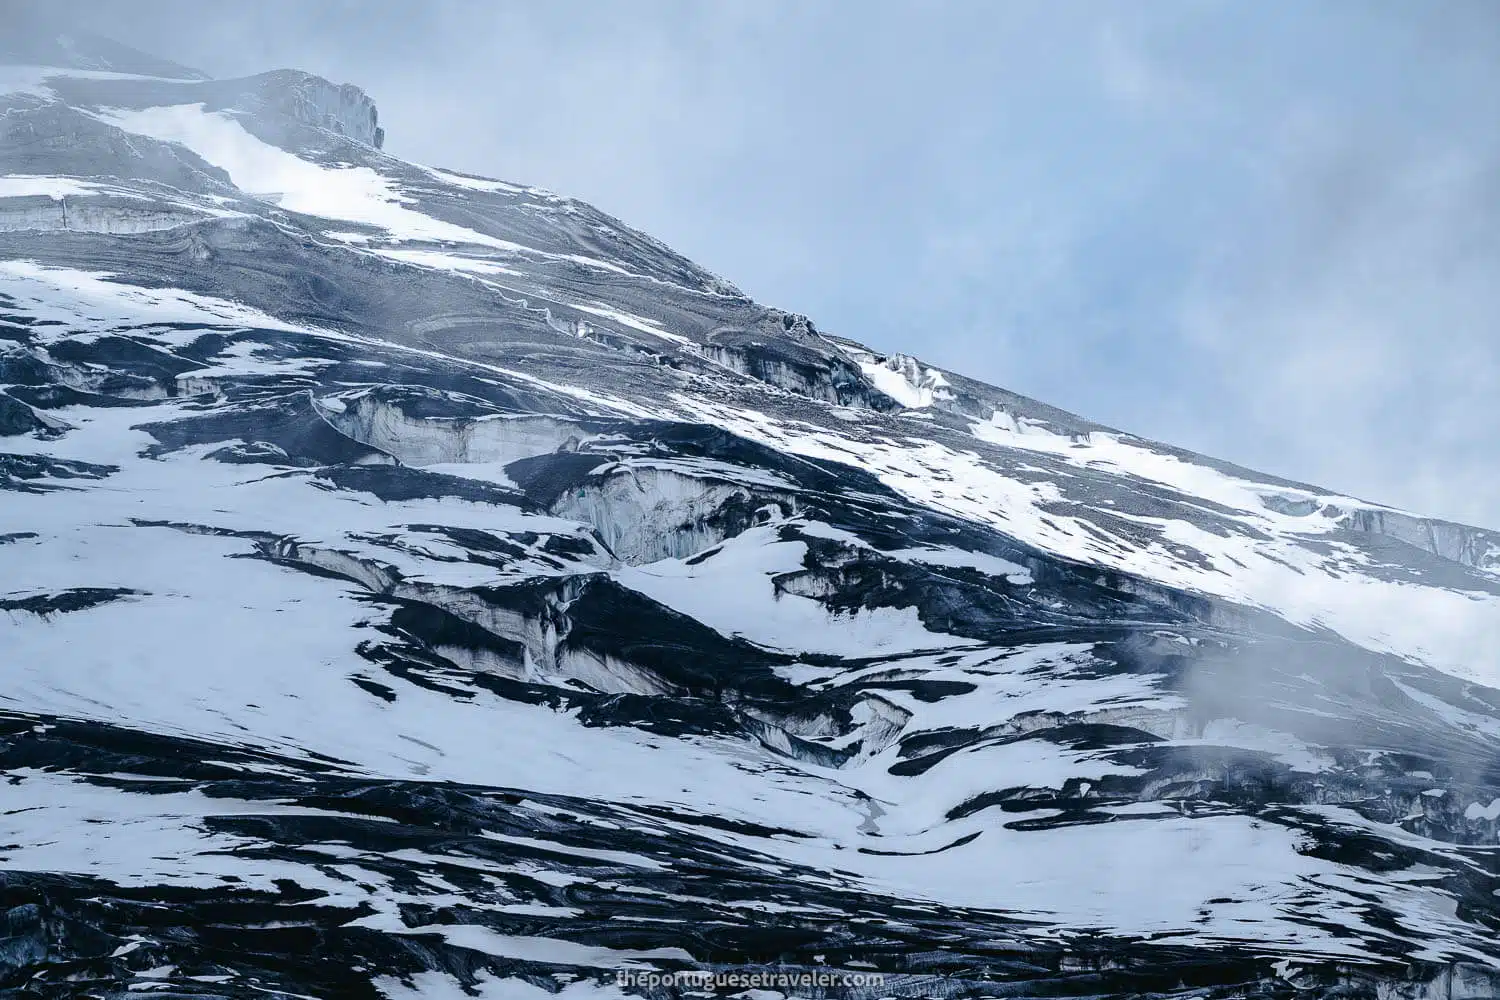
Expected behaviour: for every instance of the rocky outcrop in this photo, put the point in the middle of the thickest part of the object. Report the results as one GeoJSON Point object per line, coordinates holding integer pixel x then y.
{"type": "Point", "coordinates": [312, 100]}
{"type": "Point", "coordinates": [787, 351]}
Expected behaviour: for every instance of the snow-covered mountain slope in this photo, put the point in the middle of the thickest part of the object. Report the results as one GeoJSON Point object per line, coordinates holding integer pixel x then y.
{"type": "Point", "coordinates": [417, 584]}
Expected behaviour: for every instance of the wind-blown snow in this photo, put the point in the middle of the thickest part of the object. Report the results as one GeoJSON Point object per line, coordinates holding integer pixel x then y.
{"type": "Point", "coordinates": [349, 194]}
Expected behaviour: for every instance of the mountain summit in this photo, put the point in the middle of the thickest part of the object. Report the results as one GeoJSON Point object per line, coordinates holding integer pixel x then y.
{"type": "Point", "coordinates": [417, 584]}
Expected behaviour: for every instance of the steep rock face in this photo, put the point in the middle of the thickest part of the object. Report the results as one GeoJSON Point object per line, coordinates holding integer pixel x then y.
{"type": "Point", "coordinates": [309, 99]}
{"type": "Point", "coordinates": [784, 350]}
{"type": "Point", "coordinates": [416, 583]}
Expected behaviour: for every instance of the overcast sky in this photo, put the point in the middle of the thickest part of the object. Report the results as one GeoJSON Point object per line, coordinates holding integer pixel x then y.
{"type": "Point", "coordinates": [1266, 231]}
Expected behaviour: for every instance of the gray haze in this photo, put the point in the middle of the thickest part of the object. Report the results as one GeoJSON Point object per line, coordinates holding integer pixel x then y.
{"type": "Point", "coordinates": [1268, 232]}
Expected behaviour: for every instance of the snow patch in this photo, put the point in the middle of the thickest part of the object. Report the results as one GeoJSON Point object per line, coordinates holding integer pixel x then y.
{"type": "Point", "coordinates": [56, 188]}
{"type": "Point", "coordinates": [732, 592]}
{"type": "Point", "coordinates": [903, 379]}
{"type": "Point", "coordinates": [349, 194]}
{"type": "Point", "coordinates": [1490, 812]}
{"type": "Point", "coordinates": [89, 298]}
{"type": "Point", "coordinates": [474, 183]}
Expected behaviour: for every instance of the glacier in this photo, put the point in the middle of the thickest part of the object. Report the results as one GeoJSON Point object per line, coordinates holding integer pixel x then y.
{"type": "Point", "coordinates": [416, 584]}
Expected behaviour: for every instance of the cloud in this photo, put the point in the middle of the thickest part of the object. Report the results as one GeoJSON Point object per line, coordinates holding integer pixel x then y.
{"type": "Point", "coordinates": [1354, 324]}
{"type": "Point", "coordinates": [1134, 79]}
